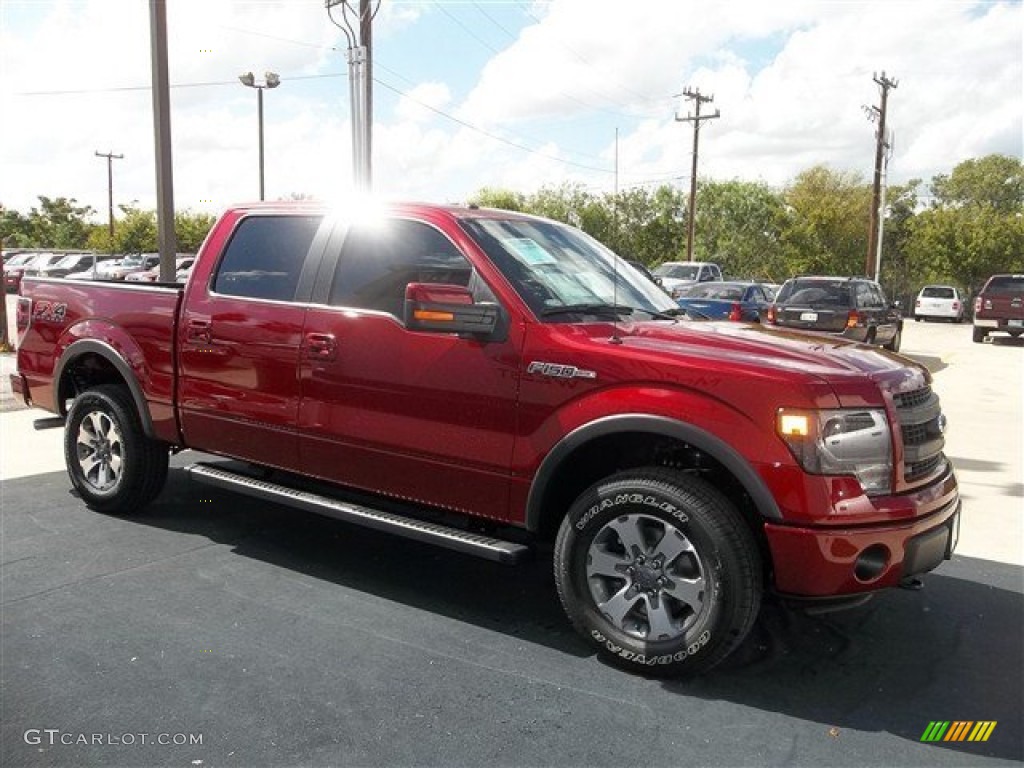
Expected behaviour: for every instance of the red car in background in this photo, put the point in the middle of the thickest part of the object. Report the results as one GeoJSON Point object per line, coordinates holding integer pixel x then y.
{"type": "Point", "coordinates": [1000, 307]}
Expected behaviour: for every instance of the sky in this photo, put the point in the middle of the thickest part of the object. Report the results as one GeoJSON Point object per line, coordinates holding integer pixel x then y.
{"type": "Point", "coordinates": [499, 93]}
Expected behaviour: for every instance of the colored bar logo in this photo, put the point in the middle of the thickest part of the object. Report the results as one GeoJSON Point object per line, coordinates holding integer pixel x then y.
{"type": "Point", "coordinates": [959, 730]}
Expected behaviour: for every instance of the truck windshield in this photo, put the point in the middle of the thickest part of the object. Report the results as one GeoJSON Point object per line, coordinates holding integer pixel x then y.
{"type": "Point", "coordinates": [678, 271]}
{"type": "Point", "coordinates": [562, 273]}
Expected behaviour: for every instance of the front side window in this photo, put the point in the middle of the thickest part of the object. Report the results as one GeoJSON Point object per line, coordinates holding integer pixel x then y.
{"type": "Point", "coordinates": [559, 270]}
{"type": "Point", "coordinates": [264, 258]}
{"type": "Point", "coordinates": [377, 263]}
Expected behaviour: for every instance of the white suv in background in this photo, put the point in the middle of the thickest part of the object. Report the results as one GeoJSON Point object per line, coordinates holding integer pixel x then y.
{"type": "Point", "coordinates": [939, 302]}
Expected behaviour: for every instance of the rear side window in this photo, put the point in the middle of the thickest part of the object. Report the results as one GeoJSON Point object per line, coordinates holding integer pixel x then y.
{"type": "Point", "coordinates": [264, 258]}
{"type": "Point", "coordinates": [378, 262]}
{"type": "Point", "coordinates": [1005, 285]}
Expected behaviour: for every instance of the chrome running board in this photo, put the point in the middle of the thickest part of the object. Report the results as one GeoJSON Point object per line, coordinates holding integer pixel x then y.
{"type": "Point", "coordinates": [501, 551]}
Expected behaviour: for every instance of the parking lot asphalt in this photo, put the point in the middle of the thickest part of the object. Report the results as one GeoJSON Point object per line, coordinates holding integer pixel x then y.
{"type": "Point", "coordinates": [280, 638]}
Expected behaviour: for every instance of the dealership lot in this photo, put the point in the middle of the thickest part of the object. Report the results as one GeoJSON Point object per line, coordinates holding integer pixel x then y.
{"type": "Point", "coordinates": [280, 638]}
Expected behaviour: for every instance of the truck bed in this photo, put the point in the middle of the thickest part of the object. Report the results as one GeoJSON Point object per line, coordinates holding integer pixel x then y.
{"type": "Point", "coordinates": [138, 321]}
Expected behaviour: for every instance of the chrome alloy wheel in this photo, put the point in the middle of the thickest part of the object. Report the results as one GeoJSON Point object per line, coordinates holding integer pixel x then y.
{"type": "Point", "coordinates": [100, 450]}
{"type": "Point", "coordinates": [646, 578]}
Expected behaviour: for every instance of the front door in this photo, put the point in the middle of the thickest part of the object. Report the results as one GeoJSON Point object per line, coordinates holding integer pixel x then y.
{"type": "Point", "coordinates": [425, 417]}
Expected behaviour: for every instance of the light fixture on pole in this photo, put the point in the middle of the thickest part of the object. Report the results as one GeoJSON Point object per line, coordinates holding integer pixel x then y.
{"type": "Point", "coordinates": [270, 80]}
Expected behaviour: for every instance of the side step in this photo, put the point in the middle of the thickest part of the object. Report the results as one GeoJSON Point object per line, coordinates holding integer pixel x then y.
{"type": "Point", "coordinates": [507, 552]}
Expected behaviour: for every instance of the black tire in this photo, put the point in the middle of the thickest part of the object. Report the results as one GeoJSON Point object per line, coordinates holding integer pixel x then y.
{"type": "Point", "coordinates": [979, 334]}
{"type": "Point", "coordinates": [698, 573]}
{"type": "Point", "coordinates": [869, 337]}
{"type": "Point", "coordinates": [112, 464]}
{"type": "Point", "coordinates": [896, 340]}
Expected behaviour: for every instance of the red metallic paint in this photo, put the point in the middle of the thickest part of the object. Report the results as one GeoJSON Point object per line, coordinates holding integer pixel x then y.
{"type": "Point", "coordinates": [353, 397]}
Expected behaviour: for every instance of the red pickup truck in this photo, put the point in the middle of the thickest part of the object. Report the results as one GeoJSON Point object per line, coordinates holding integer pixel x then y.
{"type": "Point", "coordinates": [490, 381]}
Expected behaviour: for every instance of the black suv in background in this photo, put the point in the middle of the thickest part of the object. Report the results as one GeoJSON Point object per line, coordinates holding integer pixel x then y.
{"type": "Point", "coordinates": [851, 307]}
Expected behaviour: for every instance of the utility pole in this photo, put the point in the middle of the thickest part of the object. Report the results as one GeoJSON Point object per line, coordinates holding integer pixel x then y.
{"type": "Point", "coordinates": [695, 96]}
{"type": "Point", "coordinates": [111, 157]}
{"type": "Point", "coordinates": [358, 29]}
{"type": "Point", "coordinates": [878, 113]}
{"type": "Point", "coordinates": [160, 73]}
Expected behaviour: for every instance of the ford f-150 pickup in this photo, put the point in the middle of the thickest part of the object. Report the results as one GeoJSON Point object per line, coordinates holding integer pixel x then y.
{"type": "Point", "coordinates": [493, 382]}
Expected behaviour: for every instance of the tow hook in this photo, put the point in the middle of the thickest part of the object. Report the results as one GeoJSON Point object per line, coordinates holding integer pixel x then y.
{"type": "Point", "coordinates": [913, 583]}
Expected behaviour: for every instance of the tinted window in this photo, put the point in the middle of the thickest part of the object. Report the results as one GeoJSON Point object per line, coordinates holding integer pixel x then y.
{"type": "Point", "coordinates": [938, 292]}
{"type": "Point", "coordinates": [816, 293]}
{"type": "Point", "coordinates": [1005, 285]}
{"type": "Point", "coordinates": [265, 257]}
{"type": "Point", "coordinates": [716, 291]}
{"type": "Point", "coordinates": [677, 271]}
{"type": "Point", "coordinates": [377, 263]}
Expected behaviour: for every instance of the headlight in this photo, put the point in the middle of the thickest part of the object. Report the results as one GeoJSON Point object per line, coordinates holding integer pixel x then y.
{"type": "Point", "coordinates": [841, 442]}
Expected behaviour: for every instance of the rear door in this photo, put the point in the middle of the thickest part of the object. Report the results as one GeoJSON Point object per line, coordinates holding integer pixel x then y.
{"type": "Point", "coordinates": [426, 417]}
{"type": "Point", "coordinates": [239, 339]}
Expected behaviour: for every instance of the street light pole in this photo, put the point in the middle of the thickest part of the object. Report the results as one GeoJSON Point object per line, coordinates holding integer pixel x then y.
{"type": "Point", "coordinates": [270, 80]}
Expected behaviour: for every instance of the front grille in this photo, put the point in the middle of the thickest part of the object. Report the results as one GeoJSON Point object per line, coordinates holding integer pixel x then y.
{"type": "Point", "coordinates": [913, 399]}
{"type": "Point", "coordinates": [918, 469]}
{"type": "Point", "coordinates": [921, 427]}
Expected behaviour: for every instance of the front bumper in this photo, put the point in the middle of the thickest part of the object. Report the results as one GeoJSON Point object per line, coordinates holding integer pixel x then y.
{"type": "Point", "coordinates": [830, 562]}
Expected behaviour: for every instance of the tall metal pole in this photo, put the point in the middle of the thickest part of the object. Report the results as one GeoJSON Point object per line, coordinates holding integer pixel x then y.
{"type": "Point", "coordinates": [698, 99]}
{"type": "Point", "coordinates": [874, 241]}
{"type": "Point", "coordinates": [359, 33]}
{"type": "Point", "coordinates": [259, 109]}
{"type": "Point", "coordinates": [111, 157]}
{"type": "Point", "coordinates": [270, 80]}
{"type": "Point", "coordinates": [162, 138]}
{"type": "Point", "coordinates": [366, 38]}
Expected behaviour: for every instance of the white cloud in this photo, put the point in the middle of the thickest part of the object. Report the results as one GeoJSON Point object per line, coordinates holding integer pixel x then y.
{"type": "Point", "coordinates": [790, 79]}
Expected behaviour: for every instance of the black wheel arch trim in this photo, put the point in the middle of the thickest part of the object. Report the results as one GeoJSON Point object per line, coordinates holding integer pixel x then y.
{"type": "Point", "coordinates": [659, 425]}
{"type": "Point", "coordinates": [107, 352]}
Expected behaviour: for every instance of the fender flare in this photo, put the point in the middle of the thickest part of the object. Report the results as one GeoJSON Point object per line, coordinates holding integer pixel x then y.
{"type": "Point", "coordinates": [657, 425]}
{"type": "Point", "coordinates": [107, 352]}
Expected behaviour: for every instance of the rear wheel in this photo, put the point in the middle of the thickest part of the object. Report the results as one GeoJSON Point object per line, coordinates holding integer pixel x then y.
{"type": "Point", "coordinates": [979, 334]}
{"type": "Point", "coordinates": [894, 342]}
{"type": "Point", "coordinates": [112, 464]}
{"type": "Point", "coordinates": [658, 571]}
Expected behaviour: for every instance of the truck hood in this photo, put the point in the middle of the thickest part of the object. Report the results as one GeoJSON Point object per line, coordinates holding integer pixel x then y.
{"type": "Point", "coordinates": [827, 358]}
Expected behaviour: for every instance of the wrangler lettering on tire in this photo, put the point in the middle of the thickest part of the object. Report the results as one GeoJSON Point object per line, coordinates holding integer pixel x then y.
{"type": "Point", "coordinates": [659, 571]}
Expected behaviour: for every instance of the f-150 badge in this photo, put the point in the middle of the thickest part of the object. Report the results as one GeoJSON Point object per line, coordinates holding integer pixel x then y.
{"type": "Point", "coordinates": [559, 371]}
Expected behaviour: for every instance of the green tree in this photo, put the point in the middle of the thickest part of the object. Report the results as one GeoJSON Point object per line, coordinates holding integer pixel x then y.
{"type": "Point", "coordinates": [495, 197]}
{"type": "Point", "coordinates": [827, 225]}
{"type": "Point", "coordinates": [975, 225]}
{"type": "Point", "coordinates": [739, 225]}
{"type": "Point", "coordinates": [993, 180]}
{"type": "Point", "coordinates": [191, 229]}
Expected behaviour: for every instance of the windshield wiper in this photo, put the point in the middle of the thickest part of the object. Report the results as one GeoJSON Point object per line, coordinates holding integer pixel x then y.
{"type": "Point", "coordinates": [587, 309]}
{"type": "Point", "coordinates": [668, 314]}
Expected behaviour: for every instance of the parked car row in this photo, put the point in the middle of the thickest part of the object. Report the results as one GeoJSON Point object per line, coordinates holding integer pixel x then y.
{"type": "Point", "coordinates": [86, 265]}
{"type": "Point", "coordinates": [849, 307]}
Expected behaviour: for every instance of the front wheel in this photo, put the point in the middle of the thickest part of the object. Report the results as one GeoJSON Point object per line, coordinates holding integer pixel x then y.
{"type": "Point", "coordinates": [658, 571]}
{"type": "Point", "coordinates": [112, 464]}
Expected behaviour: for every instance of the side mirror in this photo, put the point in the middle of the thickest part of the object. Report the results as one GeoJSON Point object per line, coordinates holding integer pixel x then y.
{"type": "Point", "coordinates": [440, 308]}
